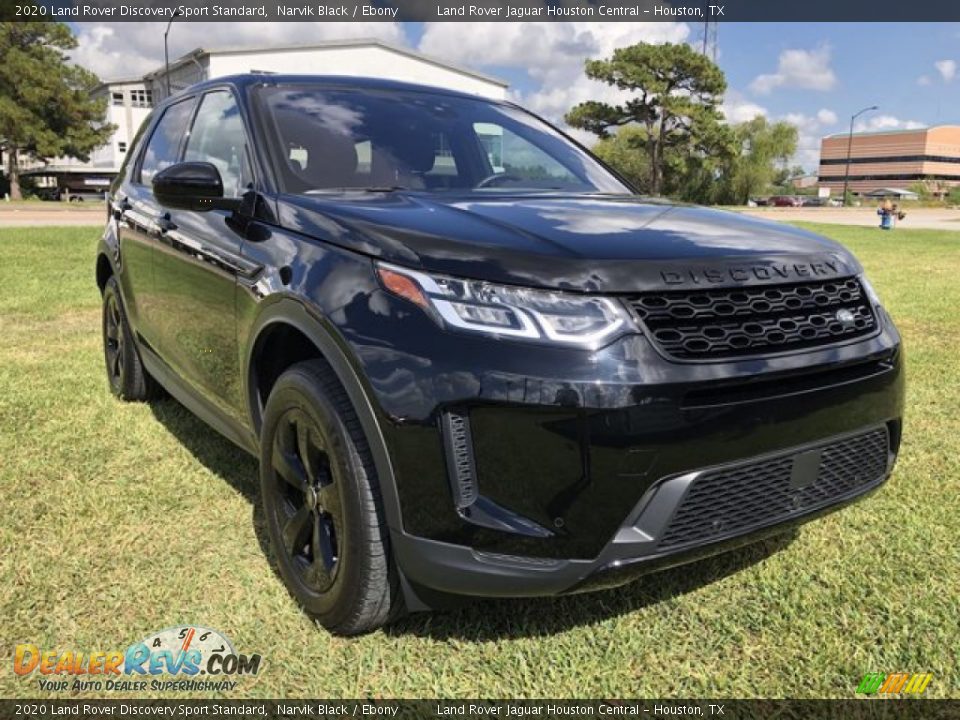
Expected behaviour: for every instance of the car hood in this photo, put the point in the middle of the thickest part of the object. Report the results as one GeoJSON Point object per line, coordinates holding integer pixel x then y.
{"type": "Point", "coordinates": [583, 242]}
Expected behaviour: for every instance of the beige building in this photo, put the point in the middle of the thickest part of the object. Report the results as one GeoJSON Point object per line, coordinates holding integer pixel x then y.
{"type": "Point", "coordinates": [894, 158]}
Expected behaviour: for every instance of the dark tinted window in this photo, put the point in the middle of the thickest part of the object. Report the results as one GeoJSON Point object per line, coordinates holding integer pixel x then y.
{"type": "Point", "coordinates": [218, 137]}
{"type": "Point", "coordinates": [164, 145]}
{"type": "Point", "coordinates": [329, 138]}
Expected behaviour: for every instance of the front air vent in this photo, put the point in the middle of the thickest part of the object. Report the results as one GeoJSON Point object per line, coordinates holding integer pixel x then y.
{"type": "Point", "coordinates": [461, 469]}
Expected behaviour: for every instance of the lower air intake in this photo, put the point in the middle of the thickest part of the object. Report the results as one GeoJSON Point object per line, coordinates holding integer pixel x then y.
{"type": "Point", "coordinates": [735, 500]}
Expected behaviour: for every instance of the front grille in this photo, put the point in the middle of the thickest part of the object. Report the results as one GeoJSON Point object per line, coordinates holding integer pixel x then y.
{"type": "Point", "coordinates": [734, 500]}
{"type": "Point", "coordinates": [718, 323]}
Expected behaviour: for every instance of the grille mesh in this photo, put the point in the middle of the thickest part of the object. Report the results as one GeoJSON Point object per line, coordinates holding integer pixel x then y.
{"type": "Point", "coordinates": [715, 323]}
{"type": "Point", "coordinates": [734, 500]}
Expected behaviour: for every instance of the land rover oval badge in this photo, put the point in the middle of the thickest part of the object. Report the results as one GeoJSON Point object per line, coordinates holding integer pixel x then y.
{"type": "Point", "coordinates": [845, 317]}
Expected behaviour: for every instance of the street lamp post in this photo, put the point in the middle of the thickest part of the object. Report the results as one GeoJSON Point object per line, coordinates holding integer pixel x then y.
{"type": "Point", "coordinates": [846, 175]}
{"type": "Point", "coordinates": [166, 54]}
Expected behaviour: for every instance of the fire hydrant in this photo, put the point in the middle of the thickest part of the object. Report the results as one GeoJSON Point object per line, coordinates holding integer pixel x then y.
{"type": "Point", "coordinates": [889, 213]}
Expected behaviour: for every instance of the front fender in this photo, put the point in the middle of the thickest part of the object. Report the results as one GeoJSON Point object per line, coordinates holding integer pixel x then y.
{"type": "Point", "coordinates": [327, 339]}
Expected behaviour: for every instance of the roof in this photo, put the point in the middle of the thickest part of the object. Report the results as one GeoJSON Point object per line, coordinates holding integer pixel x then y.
{"type": "Point", "coordinates": [198, 53]}
{"type": "Point", "coordinates": [245, 80]}
{"type": "Point", "coordinates": [879, 192]}
{"type": "Point", "coordinates": [69, 170]}
{"type": "Point", "coordinates": [119, 81]}
{"type": "Point", "coordinates": [890, 132]}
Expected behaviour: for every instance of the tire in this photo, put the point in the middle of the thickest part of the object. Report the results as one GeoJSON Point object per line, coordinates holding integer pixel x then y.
{"type": "Point", "coordinates": [321, 500]}
{"type": "Point", "coordinates": [126, 375]}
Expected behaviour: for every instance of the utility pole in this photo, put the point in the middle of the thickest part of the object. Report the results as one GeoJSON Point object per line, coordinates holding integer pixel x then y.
{"type": "Point", "coordinates": [166, 54]}
{"type": "Point", "coordinates": [710, 41]}
{"type": "Point", "coordinates": [846, 175]}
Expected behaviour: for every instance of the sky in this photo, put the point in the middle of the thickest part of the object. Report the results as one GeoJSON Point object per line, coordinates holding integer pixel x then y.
{"type": "Point", "coordinates": [814, 75]}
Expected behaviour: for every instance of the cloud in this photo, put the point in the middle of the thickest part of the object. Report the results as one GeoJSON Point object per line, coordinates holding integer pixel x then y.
{"type": "Point", "coordinates": [810, 129]}
{"type": "Point", "coordinates": [923, 80]}
{"type": "Point", "coordinates": [826, 117]}
{"type": "Point", "coordinates": [886, 122]}
{"type": "Point", "coordinates": [119, 50]}
{"type": "Point", "coordinates": [552, 55]}
{"type": "Point", "coordinates": [737, 109]}
{"type": "Point", "coordinates": [806, 69]}
{"type": "Point", "coordinates": [947, 69]}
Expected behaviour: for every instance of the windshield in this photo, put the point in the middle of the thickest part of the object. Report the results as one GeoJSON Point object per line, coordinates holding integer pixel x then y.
{"type": "Point", "coordinates": [334, 138]}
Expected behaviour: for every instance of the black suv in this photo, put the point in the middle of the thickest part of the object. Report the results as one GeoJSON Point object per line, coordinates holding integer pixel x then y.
{"type": "Point", "coordinates": [470, 360]}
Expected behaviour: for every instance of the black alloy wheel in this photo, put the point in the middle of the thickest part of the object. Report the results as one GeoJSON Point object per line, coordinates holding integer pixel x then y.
{"type": "Point", "coordinates": [308, 501]}
{"type": "Point", "coordinates": [128, 379]}
{"type": "Point", "coordinates": [113, 339]}
{"type": "Point", "coordinates": [322, 505]}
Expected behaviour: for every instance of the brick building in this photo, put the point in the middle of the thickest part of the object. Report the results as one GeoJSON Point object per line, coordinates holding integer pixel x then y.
{"type": "Point", "coordinates": [893, 158]}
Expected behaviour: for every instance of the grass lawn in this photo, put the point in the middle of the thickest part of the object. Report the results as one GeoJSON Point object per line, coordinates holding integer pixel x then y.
{"type": "Point", "coordinates": [123, 519]}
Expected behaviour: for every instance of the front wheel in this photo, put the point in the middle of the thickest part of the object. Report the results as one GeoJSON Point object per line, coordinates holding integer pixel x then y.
{"type": "Point", "coordinates": [321, 499]}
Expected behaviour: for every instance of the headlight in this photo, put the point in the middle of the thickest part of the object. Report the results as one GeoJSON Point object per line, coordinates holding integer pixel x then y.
{"type": "Point", "coordinates": [508, 311]}
{"type": "Point", "coordinates": [870, 291]}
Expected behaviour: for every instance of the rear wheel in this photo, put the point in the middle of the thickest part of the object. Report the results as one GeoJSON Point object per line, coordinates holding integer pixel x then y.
{"type": "Point", "coordinates": [128, 378]}
{"type": "Point", "coordinates": [322, 502]}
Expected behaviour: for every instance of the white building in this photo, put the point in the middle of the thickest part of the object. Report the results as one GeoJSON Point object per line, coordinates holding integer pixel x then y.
{"type": "Point", "coordinates": [129, 100]}
{"type": "Point", "coordinates": [128, 104]}
{"type": "Point", "coordinates": [364, 58]}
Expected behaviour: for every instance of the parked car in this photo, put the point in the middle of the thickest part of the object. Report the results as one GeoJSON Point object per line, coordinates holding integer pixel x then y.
{"type": "Point", "coordinates": [464, 380]}
{"type": "Point", "coordinates": [785, 201]}
{"type": "Point", "coordinates": [58, 194]}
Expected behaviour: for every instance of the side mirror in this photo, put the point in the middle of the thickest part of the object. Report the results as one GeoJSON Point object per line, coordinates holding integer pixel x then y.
{"type": "Point", "coordinates": [192, 186]}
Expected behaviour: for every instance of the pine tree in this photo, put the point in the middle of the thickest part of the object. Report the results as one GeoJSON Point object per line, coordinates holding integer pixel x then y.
{"type": "Point", "coordinates": [46, 109]}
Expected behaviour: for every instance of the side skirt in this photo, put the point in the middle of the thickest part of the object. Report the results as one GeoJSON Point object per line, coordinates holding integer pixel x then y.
{"type": "Point", "coordinates": [196, 404]}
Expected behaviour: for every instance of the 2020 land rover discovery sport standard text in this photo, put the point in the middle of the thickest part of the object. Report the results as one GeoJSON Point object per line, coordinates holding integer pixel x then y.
{"type": "Point", "coordinates": [470, 360]}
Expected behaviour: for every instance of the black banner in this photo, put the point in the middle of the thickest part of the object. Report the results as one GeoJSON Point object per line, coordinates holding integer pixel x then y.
{"type": "Point", "coordinates": [500, 709]}
{"type": "Point", "coordinates": [861, 11]}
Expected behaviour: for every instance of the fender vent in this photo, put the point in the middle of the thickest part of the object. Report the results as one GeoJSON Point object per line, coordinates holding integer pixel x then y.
{"type": "Point", "coordinates": [461, 468]}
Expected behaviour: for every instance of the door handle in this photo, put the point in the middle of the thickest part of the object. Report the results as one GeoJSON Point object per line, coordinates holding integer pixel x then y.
{"type": "Point", "coordinates": [120, 206]}
{"type": "Point", "coordinates": [165, 223]}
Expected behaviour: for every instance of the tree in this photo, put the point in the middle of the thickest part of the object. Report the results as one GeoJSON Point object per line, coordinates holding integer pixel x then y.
{"type": "Point", "coordinates": [625, 152]}
{"type": "Point", "coordinates": [761, 147]}
{"type": "Point", "coordinates": [45, 104]}
{"type": "Point", "coordinates": [675, 93]}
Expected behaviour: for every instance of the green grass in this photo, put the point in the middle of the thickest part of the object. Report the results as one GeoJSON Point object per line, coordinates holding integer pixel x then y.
{"type": "Point", "coordinates": [121, 519]}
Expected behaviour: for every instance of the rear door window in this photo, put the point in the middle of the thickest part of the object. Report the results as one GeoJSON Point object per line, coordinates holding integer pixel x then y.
{"type": "Point", "coordinates": [163, 150]}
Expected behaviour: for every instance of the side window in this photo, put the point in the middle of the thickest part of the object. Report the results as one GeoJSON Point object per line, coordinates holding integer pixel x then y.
{"type": "Point", "coordinates": [510, 154]}
{"type": "Point", "coordinates": [128, 157]}
{"type": "Point", "coordinates": [164, 144]}
{"type": "Point", "coordinates": [218, 137]}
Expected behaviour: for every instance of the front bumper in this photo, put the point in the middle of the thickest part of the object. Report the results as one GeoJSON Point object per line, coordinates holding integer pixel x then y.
{"type": "Point", "coordinates": [575, 457]}
{"type": "Point", "coordinates": [647, 540]}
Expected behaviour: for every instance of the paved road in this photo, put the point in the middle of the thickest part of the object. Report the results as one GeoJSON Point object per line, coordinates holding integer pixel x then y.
{"type": "Point", "coordinates": [928, 218]}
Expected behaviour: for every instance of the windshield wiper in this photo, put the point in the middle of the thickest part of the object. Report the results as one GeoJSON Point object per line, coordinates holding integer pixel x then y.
{"type": "Point", "coordinates": [372, 189]}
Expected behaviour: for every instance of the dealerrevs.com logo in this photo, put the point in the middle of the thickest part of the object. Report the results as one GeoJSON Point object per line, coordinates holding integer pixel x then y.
{"type": "Point", "coordinates": [185, 658]}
